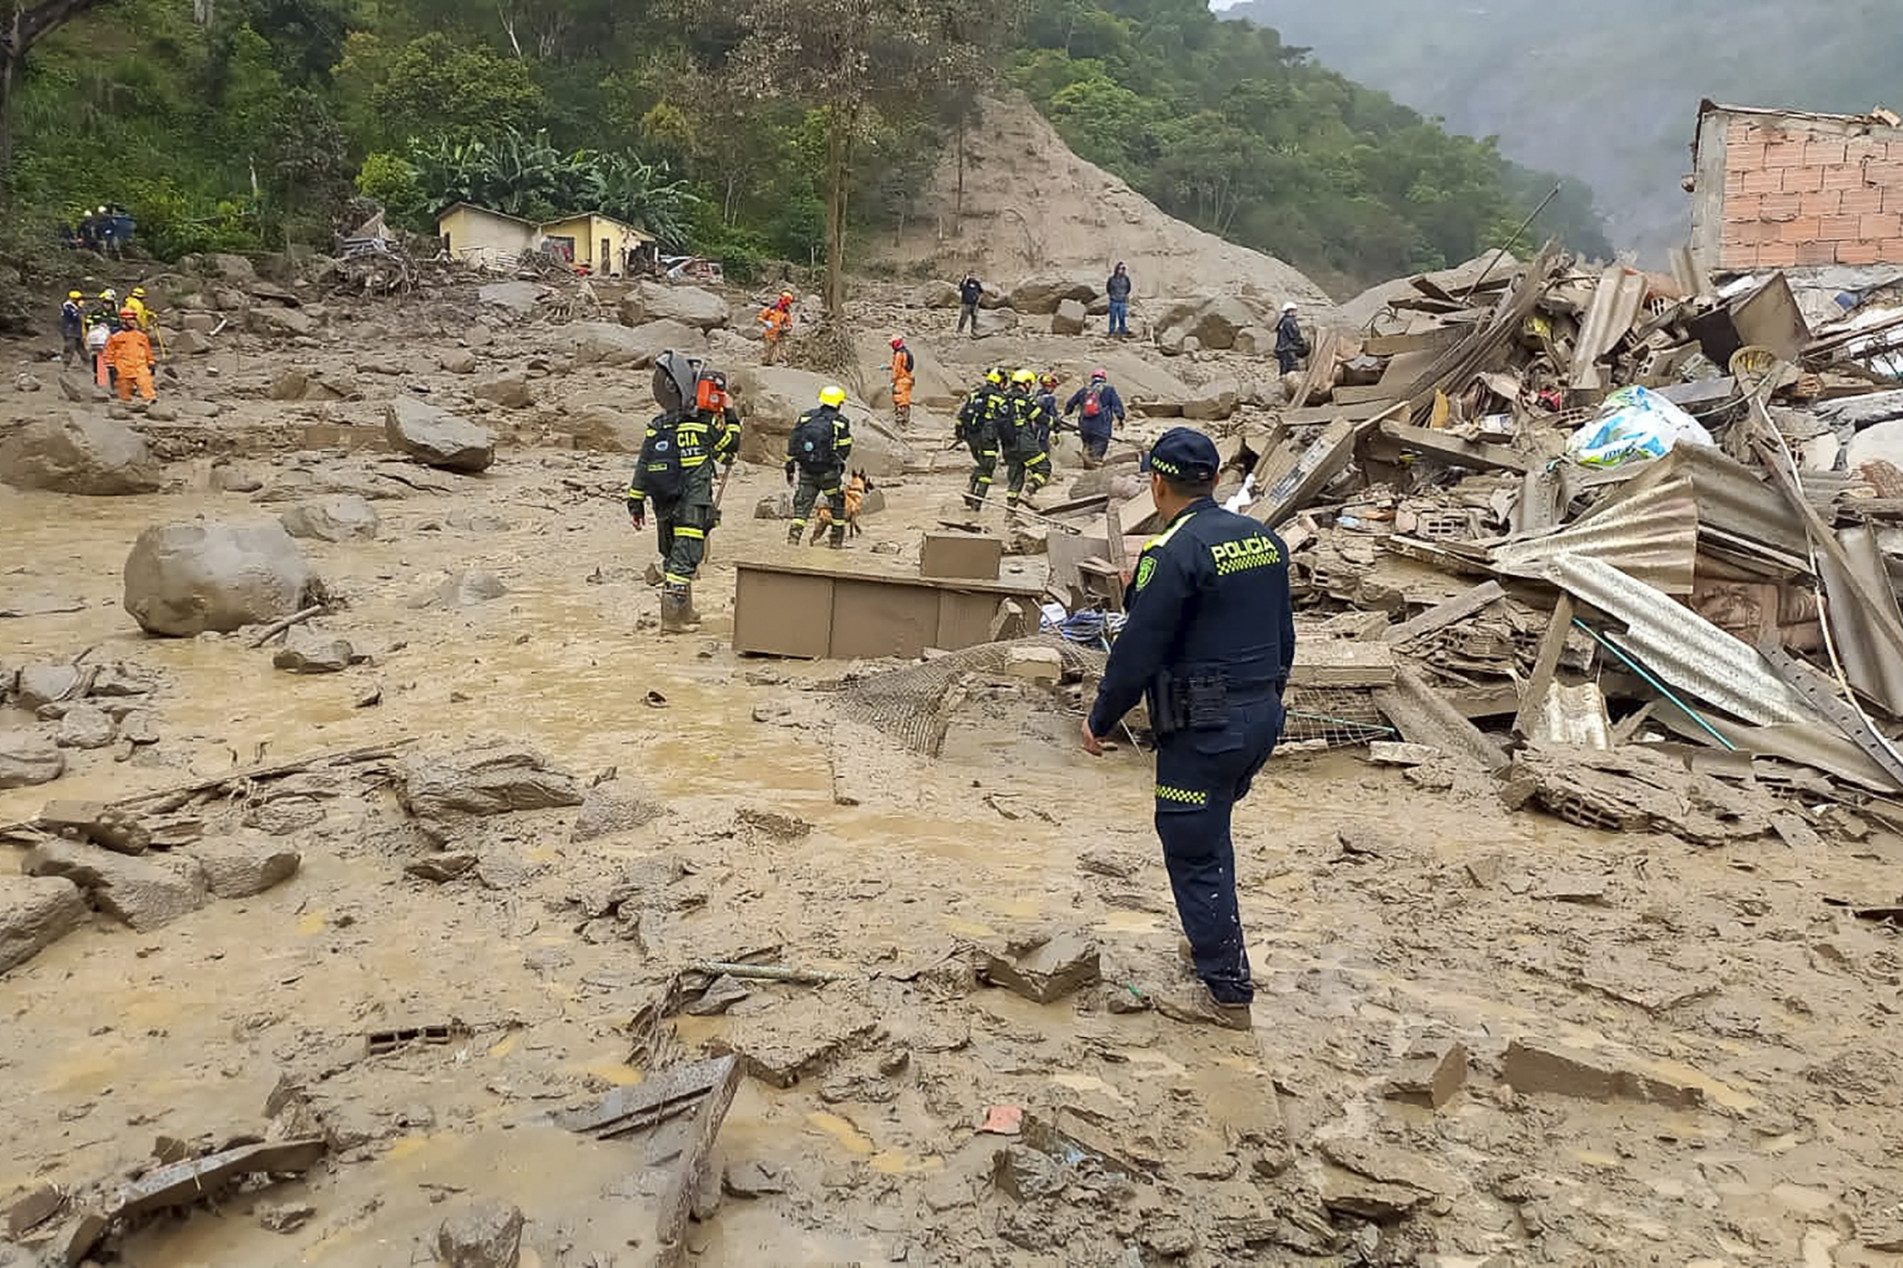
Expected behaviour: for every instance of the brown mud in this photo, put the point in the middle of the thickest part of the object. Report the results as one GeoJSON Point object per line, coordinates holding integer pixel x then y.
{"type": "Point", "coordinates": [1382, 919]}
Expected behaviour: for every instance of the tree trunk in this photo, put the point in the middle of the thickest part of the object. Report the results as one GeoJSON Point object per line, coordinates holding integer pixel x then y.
{"type": "Point", "coordinates": [8, 65]}
{"type": "Point", "coordinates": [838, 160]}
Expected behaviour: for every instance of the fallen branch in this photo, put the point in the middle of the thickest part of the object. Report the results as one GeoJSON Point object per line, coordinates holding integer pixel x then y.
{"type": "Point", "coordinates": [766, 972]}
{"type": "Point", "coordinates": [274, 770]}
{"type": "Point", "coordinates": [276, 628]}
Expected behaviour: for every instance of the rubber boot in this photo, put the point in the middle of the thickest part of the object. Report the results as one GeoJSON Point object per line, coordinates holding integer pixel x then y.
{"type": "Point", "coordinates": [903, 415]}
{"type": "Point", "coordinates": [677, 608]}
{"type": "Point", "coordinates": [793, 534]}
{"type": "Point", "coordinates": [838, 538]}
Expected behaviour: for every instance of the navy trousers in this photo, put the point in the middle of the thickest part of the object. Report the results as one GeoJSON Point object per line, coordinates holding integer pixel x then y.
{"type": "Point", "coordinates": [1200, 776]}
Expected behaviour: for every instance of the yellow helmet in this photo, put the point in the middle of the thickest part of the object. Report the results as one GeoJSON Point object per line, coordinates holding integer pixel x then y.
{"type": "Point", "coordinates": [832, 394]}
{"type": "Point", "coordinates": [1024, 376]}
{"type": "Point", "coordinates": [994, 375]}
{"type": "Point", "coordinates": [74, 295]}
{"type": "Point", "coordinates": [138, 292]}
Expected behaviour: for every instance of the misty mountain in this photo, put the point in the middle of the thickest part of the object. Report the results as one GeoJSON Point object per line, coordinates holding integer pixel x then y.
{"type": "Point", "coordinates": [1606, 90]}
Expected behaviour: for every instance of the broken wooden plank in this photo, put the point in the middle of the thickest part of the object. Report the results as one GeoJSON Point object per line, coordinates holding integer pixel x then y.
{"type": "Point", "coordinates": [639, 1106]}
{"type": "Point", "coordinates": [1438, 339]}
{"type": "Point", "coordinates": [1342, 663]}
{"type": "Point", "coordinates": [183, 1183]}
{"type": "Point", "coordinates": [1452, 450]}
{"type": "Point", "coordinates": [1444, 614]}
{"type": "Point", "coordinates": [678, 1197]}
{"type": "Point", "coordinates": [1552, 647]}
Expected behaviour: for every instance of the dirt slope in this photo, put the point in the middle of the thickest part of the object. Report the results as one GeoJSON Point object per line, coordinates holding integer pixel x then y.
{"type": "Point", "coordinates": [1032, 206]}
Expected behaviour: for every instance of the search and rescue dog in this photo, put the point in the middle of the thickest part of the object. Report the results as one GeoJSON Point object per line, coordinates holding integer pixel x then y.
{"type": "Point", "coordinates": [856, 490]}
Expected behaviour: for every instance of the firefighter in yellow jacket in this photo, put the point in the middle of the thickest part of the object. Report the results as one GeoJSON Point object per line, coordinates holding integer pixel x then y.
{"type": "Point", "coordinates": [697, 428]}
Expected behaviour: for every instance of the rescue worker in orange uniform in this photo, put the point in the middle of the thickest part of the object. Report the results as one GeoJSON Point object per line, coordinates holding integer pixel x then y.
{"type": "Point", "coordinates": [129, 353]}
{"type": "Point", "coordinates": [902, 367]}
{"type": "Point", "coordinates": [777, 317]}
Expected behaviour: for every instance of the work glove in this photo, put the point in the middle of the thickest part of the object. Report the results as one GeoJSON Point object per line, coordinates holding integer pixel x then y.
{"type": "Point", "coordinates": [638, 517]}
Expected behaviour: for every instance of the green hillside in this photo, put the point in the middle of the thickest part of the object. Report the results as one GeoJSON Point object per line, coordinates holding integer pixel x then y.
{"type": "Point", "coordinates": [1606, 91]}
{"type": "Point", "coordinates": [250, 124]}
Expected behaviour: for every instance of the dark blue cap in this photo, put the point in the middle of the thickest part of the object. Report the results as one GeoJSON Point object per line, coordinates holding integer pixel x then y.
{"type": "Point", "coordinates": [1182, 453]}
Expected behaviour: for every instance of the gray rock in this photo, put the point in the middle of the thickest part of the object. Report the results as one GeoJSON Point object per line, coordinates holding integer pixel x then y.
{"type": "Point", "coordinates": [188, 343]}
{"type": "Point", "coordinates": [233, 479]}
{"type": "Point", "coordinates": [511, 391]}
{"type": "Point", "coordinates": [186, 579]}
{"type": "Point", "coordinates": [1028, 1175]}
{"type": "Point", "coordinates": [139, 726]}
{"type": "Point", "coordinates": [78, 453]}
{"type": "Point", "coordinates": [1254, 341]}
{"type": "Point", "coordinates": [482, 1235]}
{"type": "Point", "coordinates": [1170, 341]}
{"type": "Point", "coordinates": [1046, 972]}
{"type": "Point", "coordinates": [40, 685]}
{"type": "Point", "coordinates": [239, 867]}
{"type": "Point", "coordinates": [1069, 318]}
{"type": "Point", "coordinates": [160, 412]}
{"type": "Point", "coordinates": [35, 912]}
{"type": "Point", "coordinates": [290, 385]}
{"type": "Point", "coordinates": [606, 429]}
{"type": "Point", "coordinates": [441, 867]}
{"type": "Point", "coordinates": [517, 298]}
{"type": "Point", "coordinates": [1215, 324]}
{"type": "Point", "coordinates": [465, 590]}
{"type": "Point", "coordinates": [233, 270]}
{"type": "Point", "coordinates": [436, 437]}
{"type": "Point", "coordinates": [485, 779]}
{"type": "Point", "coordinates": [604, 343]}
{"type": "Point", "coordinates": [661, 301]}
{"type": "Point", "coordinates": [935, 295]}
{"type": "Point", "coordinates": [1215, 400]}
{"type": "Point", "coordinates": [309, 651]}
{"type": "Point", "coordinates": [147, 892]}
{"type": "Point", "coordinates": [460, 361]}
{"type": "Point", "coordinates": [86, 726]}
{"type": "Point", "coordinates": [1041, 295]}
{"type": "Point", "coordinates": [28, 758]}
{"type": "Point", "coordinates": [340, 518]}
{"type": "Point", "coordinates": [614, 806]}
{"type": "Point", "coordinates": [270, 320]}
{"type": "Point", "coordinates": [1880, 443]}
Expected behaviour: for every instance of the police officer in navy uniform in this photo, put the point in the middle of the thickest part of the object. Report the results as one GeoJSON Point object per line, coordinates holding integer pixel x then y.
{"type": "Point", "coordinates": [1209, 642]}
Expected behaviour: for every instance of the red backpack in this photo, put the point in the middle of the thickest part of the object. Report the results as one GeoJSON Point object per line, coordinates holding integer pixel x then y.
{"type": "Point", "coordinates": [1093, 406]}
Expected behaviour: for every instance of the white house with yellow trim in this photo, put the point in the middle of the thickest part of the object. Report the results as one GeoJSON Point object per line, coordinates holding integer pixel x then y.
{"type": "Point", "coordinates": [487, 239]}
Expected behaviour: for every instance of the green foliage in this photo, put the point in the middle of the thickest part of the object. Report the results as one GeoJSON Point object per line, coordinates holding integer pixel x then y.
{"type": "Point", "coordinates": [390, 180]}
{"type": "Point", "coordinates": [437, 87]}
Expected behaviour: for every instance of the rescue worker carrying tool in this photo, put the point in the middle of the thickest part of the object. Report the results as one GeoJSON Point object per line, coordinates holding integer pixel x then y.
{"type": "Point", "coordinates": [978, 421]}
{"type": "Point", "coordinates": [129, 353]}
{"type": "Point", "coordinates": [818, 450]}
{"type": "Point", "coordinates": [697, 428]}
{"type": "Point", "coordinates": [72, 329]}
{"type": "Point", "coordinates": [1209, 641]}
{"type": "Point", "coordinates": [902, 367]}
{"type": "Point", "coordinates": [1098, 409]}
{"type": "Point", "coordinates": [135, 304]}
{"type": "Point", "coordinates": [1026, 461]}
{"type": "Point", "coordinates": [777, 319]}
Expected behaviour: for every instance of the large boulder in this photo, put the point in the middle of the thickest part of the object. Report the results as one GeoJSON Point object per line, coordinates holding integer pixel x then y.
{"type": "Point", "coordinates": [604, 343]}
{"type": "Point", "coordinates": [1069, 318]}
{"type": "Point", "coordinates": [1041, 295]}
{"type": "Point", "coordinates": [1213, 401]}
{"type": "Point", "coordinates": [342, 517]}
{"type": "Point", "coordinates": [268, 319]}
{"type": "Point", "coordinates": [935, 295]}
{"type": "Point", "coordinates": [1216, 322]}
{"type": "Point", "coordinates": [1254, 341]}
{"type": "Point", "coordinates": [35, 912]}
{"type": "Point", "coordinates": [185, 579]}
{"type": "Point", "coordinates": [75, 453]}
{"type": "Point", "coordinates": [146, 892]}
{"type": "Point", "coordinates": [770, 399]}
{"type": "Point", "coordinates": [517, 298]}
{"type": "Point", "coordinates": [607, 429]}
{"type": "Point", "coordinates": [243, 866]}
{"type": "Point", "coordinates": [28, 758]}
{"type": "Point", "coordinates": [437, 438]}
{"type": "Point", "coordinates": [511, 391]}
{"type": "Point", "coordinates": [689, 305]}
{"type": "Point", "coordinates": [309, 651]}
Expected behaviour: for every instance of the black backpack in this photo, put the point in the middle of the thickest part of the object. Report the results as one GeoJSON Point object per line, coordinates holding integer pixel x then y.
{"type": "Point", "coordinates": [662, 476]}
{"type": "Point", "coordinates": [813, 440]}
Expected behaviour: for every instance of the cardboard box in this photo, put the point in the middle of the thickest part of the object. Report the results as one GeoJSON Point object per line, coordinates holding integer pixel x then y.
{"type": "Point", "coordinates": [960, 555]}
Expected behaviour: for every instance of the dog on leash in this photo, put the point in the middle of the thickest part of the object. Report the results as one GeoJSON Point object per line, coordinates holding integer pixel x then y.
{"type": "Point", "coordinates": [856, 490]}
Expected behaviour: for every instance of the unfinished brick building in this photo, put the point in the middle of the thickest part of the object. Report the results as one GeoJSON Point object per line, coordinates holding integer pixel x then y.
{"type": "Point", "coordinates": [1782, 189]}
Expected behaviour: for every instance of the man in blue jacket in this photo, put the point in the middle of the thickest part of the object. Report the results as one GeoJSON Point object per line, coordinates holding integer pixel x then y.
{"type": "Point", "coordinates": [1209, 641]}
{"type": "Point", "coordinates": [1118, 289]}
{"type": "Point", "coordinates": [1098, 409]}
{"type": "Point", "coordinates": [970, 291]}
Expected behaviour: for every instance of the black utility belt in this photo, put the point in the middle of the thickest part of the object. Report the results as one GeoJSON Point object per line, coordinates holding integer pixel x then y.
{"type": "Point", "coordinates": [1202, 701]}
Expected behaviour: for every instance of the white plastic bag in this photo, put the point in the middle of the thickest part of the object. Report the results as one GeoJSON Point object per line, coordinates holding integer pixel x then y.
{"type": "Point", "coordinates": [1634, 423]}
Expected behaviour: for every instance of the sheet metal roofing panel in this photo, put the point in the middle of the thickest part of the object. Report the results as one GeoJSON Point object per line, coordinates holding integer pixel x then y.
{"type": "Point", "coordinates": [1680, 646]}
{"type": "Point", "coordinates": [1652, 537]}
{"type": "Point", "coordinates": [1869, 659]}
{"type": "Point", "coordinates": [1733, 498]}
{"type": "Point", "coordinates": [1615, 306]}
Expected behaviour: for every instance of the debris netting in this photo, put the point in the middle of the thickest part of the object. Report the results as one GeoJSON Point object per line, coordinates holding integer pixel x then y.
{"type": "Point", "coordinates": [915, 706]}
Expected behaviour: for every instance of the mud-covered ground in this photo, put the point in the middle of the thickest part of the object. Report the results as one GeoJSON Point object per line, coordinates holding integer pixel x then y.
{"type": "Point", "coordinates": [1704, 1038]}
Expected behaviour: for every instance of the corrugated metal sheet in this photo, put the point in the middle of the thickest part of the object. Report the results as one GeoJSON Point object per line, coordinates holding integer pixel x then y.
{"type": "Point", "coordinates": [1869, 659]}
{"type": "Point", "coordinates": [1732, 499]}
{"type": "Point", "coordinates": [1615, 306]}
{"type": "Point", "coordinates": [1681, 647]}
{"type": "Point", "coordinates": [1652, 537]}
